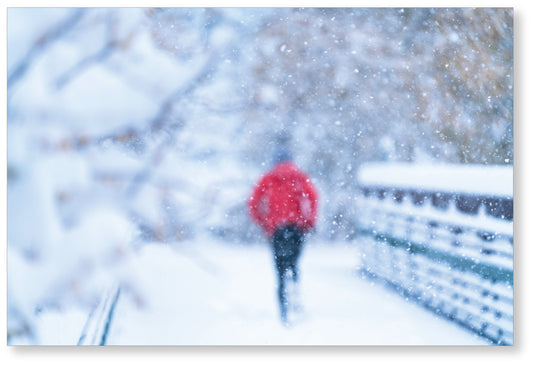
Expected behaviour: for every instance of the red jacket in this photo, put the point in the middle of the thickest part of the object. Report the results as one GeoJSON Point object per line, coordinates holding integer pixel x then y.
{"type": "Point", "coordinates": [285, 195]}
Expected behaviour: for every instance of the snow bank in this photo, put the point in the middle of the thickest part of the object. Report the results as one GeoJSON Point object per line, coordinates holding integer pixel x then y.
{"type": "Point", "coordinates": [470, 179]}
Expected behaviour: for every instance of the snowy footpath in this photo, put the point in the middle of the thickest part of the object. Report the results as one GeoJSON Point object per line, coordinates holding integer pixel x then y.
{"type": "Point", "coordinates": [219, 294]}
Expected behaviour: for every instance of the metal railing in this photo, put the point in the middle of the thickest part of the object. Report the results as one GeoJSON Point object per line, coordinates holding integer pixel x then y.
{"type": "Point", "coordinates": [98, 324]}
{"type": "Point", "coordinates": [450, 253]}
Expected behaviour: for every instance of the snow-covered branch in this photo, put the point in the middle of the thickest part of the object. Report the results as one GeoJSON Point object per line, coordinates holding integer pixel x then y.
{"type": "Point", "coordinates": [44, 41]}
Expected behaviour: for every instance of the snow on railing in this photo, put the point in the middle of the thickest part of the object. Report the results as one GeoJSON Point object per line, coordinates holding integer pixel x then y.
{"type": "Point", "coordinates": [98, 324]}
{"type": "Point", "coordinates": [449, 251]}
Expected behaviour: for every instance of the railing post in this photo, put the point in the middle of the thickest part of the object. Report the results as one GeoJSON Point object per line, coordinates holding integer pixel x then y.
{"type": "Point", "coordinates": [99, 321]}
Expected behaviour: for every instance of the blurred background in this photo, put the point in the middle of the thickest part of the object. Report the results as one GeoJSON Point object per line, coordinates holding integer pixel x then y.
{"type": "Point", "coordinates": [142, 125]}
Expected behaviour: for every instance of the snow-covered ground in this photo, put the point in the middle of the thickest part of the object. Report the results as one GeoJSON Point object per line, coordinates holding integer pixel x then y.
{"type": "Point", "coordinates": [211, 293]}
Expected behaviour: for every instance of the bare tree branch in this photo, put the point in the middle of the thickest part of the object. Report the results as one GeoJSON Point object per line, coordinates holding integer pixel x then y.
{"type": "Point", "coordinates": [42, 43]}
{"type": "Point", "coordinates": [111, 45]}
{"type": "Point", "coordinates": [185, 89]}
{"type": "Point", "coordinates": [161, 119]}
{"type": "Point", "coordinates": [100, 56]}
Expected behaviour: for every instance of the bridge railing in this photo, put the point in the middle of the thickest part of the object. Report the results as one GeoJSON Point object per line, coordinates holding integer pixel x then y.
{"type": "Point", "coordinates": [449, 252]}
{"type": "Point", "coordinates": [98, 324]}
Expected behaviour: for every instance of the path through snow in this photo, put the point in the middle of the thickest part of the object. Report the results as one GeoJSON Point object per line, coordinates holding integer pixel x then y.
{"type": "Point", "coordinates": [219, 294]}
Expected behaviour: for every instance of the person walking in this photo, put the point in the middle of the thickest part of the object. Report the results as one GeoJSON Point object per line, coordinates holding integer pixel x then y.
{"type": "Point", "coordinates": [284, 204]}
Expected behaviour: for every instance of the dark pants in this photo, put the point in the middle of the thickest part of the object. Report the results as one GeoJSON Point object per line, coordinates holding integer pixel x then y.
{"type": "Point", "coordinates": [287, 244]}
